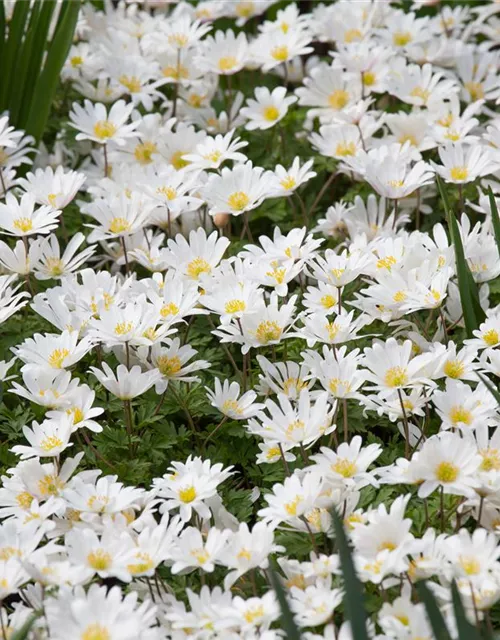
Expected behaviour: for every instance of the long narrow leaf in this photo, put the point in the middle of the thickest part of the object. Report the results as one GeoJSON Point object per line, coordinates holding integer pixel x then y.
{"type": "Point", "coordinates": [11, 50]}
{"type": "Point", "coordinates": [354, 597]}
{"type": "Point", "coordinates": [495, 218]}
{"type": "Point", "coordinates": [469, 293]}
{"type": "Point", "coordinates": [491, 388]}
{"type": "Point", "coordinates": [289, 626]}
{"type": "Point", "coordinates": [22, 63]}
{"type": "Point", "coordinates": [2, 30]}
{"type": "Point", "coordinates": [23, 632]}
{"type": "Point", "coordinates": [37, 52]}
{"type": "Point", "coordinates": [435, 616]}
{"type": "Point", "coordinates": [49, 78]}
{"type": "Point", "coordinates": [466, 631]}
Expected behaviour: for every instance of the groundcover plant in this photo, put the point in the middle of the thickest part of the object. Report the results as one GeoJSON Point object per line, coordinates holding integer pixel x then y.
{"type": "Point", "coordinates": [250, 293]}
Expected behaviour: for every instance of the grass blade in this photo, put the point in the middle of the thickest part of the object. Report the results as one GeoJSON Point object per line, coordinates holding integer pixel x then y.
{"type": "Point", "coordinates": [11, 49]}
{"type": "Point", "coordinates": [291, 630]}
{"type": "Point", "coordinates": [466, 631]}
{"type": "Point", "coordinates": [435, 616]}
{"type": "Point", "coordinates": [468, 289]}
{"type": "Point", "coordinates": [23, 632]}
{"type": "Point", "coordinates": [354, 596]}
{"type": "Point", "coordinates": [495, 218]}
{"type": "Point", "coordinates": [491, 388]}
{"type": "Point", "coordinates": [49, 78]}
{"type": "Point", "coordinates": [38, 49]}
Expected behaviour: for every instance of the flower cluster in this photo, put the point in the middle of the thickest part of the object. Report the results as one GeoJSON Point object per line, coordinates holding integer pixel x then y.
{"type": "Point", "coordinates": [235, 304]}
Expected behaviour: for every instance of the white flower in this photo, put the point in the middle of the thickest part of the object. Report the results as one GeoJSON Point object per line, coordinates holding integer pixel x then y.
{"type": "Point", "coordinates": [267, 109]}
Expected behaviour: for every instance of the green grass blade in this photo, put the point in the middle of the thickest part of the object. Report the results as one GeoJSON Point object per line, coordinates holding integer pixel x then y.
{"type": "Point", "coordinates": [49, 78]}
{"type": "Point", "coordinates": [354, 596]}
{"type": "Point", "coordinates": [466, 631]}
{"type": "Point", "coordinates": [491, 388]}
{"type": "Point", "coordinates": [468, 289]}
{"type": "Point", "coordinates": [23, 632]}
{"type": "Point", "coordinates": [495, 218]}
{"type": "Point", "coordinates": [11, 50]}
{"type": "Point", "coordinates": [35, 62]}
{"type": "Point", "coordinates": [2, 30]}
{"type": "Point", "coordinates": [288, 623]}
{"type": "Point", "coordinates": [435, 616]}
{"type": "Point", "coordinates": [22, 63]}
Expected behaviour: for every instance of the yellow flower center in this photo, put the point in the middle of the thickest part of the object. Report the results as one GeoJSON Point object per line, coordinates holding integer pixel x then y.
{"type": "Point", "coordinates": [293, 426]}
{"type": "Point", "coordinates": [395, 184]}
{"type": "Point", "coordinates": [9, 552]}
{"type": "Point", "coordinates": [77, 413]}
{"type": "Point", "coordinates": [369, 78]}
{"type": "Point", "coordinates": [24, 500]}
{"type": "Point", "coordinates": [144, 151]}
{"type": "Point", "coordinates": [454, 368]}
{"type": "Point", "coordinates": [298, 581]}
{"type": "Point", "coordinates": [446, 472]}
{"type": "Point", "coordinates": [187, 495]}
{"type": "Point", "coordinates": [280, 53]}
{"type": "Point", "coordinates": [123, 328]}
{"type": "Point", "coordinates": [178, 39]}
{"type": "Point", "coordinates": [177, 161]}
{"type": "Point", "coordinates": [50, 485]}
{"type": "Point", "coordinates": [23, 224]}
{"type": "Point", "coordinates": [76, 61]}
{"type": "Point", "coordinates": [215, 156]}
{"type": "Point", "coordinates": [491, 460]}
{"type": "Point", "coordinates": [332, 330]}
{"type": "Point", "coordinates": [169, 366]}
{"type": "Point", "coordinates": [470, 565]}
{"type": "Point", "coordinates": [175, 72]}
{"type": "Point", "coordinates": [288, 183]}
{"type": "Point", "coordinates": [238, 200]}
{"type": "Point", "coordinates": [99, 560]}
{"type": "Point", "coordinates": [95, 632]}
{"type": "Point", "coordinates": [452, 135]}
{"type": "Point", "coordinates": [420, 92]}
{"type": "Point", "coordinates": [231, 406]}
{"type": "Point", "coordinates": [268, 331]}
{"type": "Point", "coordinates": [328, 301]}
{"type": "Point", "coordinates": [351, 35]}
{"type": "Point", "coordinates": [386, 263]}
{"type": "Point", "coordinates": [271, 113]}
{"type": "Point", "coordinates": [227, 63]}
{"type": "Point", "coordinates": [293, 384]}
{"type": "Point", "coordinates": [55, 266]}
{"type": "Point", "coordinates": [291, 507]}
{"type": "Point", "coordinates": [119, 225]}
{"type": "Point", "coordinates": [201, 555]}
{"type": "Point", "coordinates": [386, 546]}
{"type": "Point", "coordinates": [345, 149]}
{"type": "Point", "coordinates": [401, 38]}
{"type": "Point", "coordinates": [475, 89]}
{"type": "Point", "coordinates": [104, 129]}
{"type": "Point", "coordinates": [396, 377]}
{"type": "Point", "coordinates": [277, 274]}
{"type": "Point", "coordinates": [169, 192]}
{"type": "Point", "coordinates": [459, 173]}
{"type": "Point", "coordinates": [491, 337]}
{"type": "Point", "coordinates": [338, 99]}
{"type": "Point", "coordinates": [57, 357]}
{"type": "Point", "coordinates": [399, 296]}
{"type": "Point", "coordinates": [169, 309]}
{"type": "Point", "coordinates": [98, 503]}
{"type": "Point", "coordinates": [235, 306]}
{"type": "Point", "coordinates": [245, 9]}
{"type": "Point", "coordinates": [460, 414]}
{"type": "Point", "coordinates": [337, 273]}
{"type": "Point", "coordinates": [49, 443]}
{"type": "Point", "coordinates": [256, 613]}
{"type": "Point", "coordinates": [198, 266]}
{"type": "Point", "coordinates": [244, 553]}
{"type": "Point", "coordinates": [344, 467]}
{"type": "Point", "coordinates": [145, 564]}
{"type": "Point", "coordinates": [132, 83]}
{"type": "Point", "coordinates": [408, 138]}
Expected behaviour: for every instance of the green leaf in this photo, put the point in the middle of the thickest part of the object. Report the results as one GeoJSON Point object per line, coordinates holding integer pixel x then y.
{"type": "Point", "coordinates": [22, 633]}
{"type": "Point", "coordinates": [468, 289]}
{"type": "Point", "coordinates": [466, 631]}
{"type": "Point", "coordinates": [288, 623]}
{"type": "Point", "coordinates": [495, 218]}
{"type": "Point", "coordinates": [49, 78]}
{"type": "Point", "coordinates": [434, 614]}
{"type": "Point", "coordinates": [491, 388]}
{"type": "Point", "coordinates": [11, 50]}
{"type": "Point", "coordinates": [36, 57]}
{"type": "Point", "coordinates": [354, 596]}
